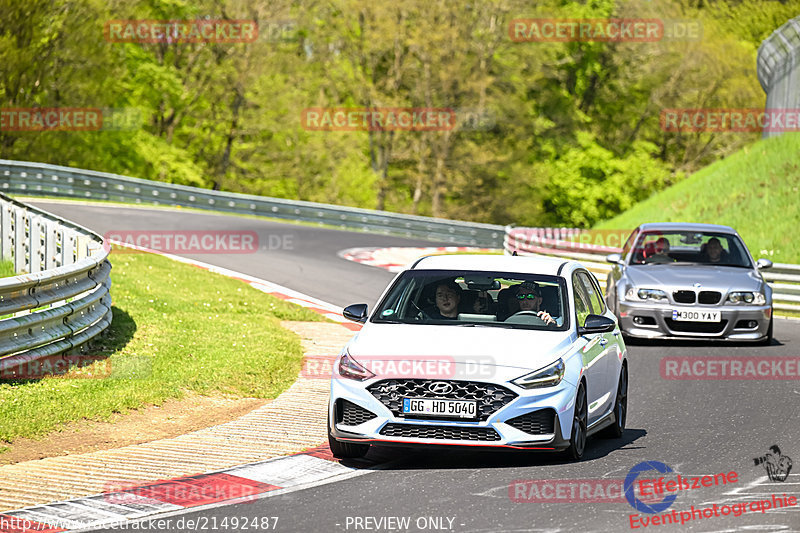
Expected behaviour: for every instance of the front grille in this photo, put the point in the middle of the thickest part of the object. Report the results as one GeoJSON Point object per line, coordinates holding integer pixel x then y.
{"type": "Point", "coordinates": [541, 422]}
{"type": "Point", "coordinates": [414, 431]}
{"type": "Point", "coordinates": [696, 327]}
{"type": "Point", "coordinates": [709, 297]}
{"type": "Point", "coordinates": [352, 414]}
{"type": "Point", "coordinates": [683, 297]}
{"type": "Point", "coordinates": [490, 397]}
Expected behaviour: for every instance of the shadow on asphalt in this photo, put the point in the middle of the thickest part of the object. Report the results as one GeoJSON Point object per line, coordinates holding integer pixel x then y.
{"type": "Point", "coordinates": [693, 343]}
{"type": "Point", "coordinates": [100, 348]}
{"type": "Point", "coordinates": [454, 457]}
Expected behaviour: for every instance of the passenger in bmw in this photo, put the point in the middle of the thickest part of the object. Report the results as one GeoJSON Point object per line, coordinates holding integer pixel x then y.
{"type": "Point", "coordinates": [714, 251]}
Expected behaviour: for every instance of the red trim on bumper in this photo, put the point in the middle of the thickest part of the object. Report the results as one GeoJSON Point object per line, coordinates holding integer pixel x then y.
{"type": "Point", "coordinates": [364, 441]}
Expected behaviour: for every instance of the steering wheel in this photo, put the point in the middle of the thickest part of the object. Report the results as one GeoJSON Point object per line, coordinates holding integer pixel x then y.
{"type": "Point", "coordinates": [422, 315]}
{"type": "Point", "coordinates": [532, 314]}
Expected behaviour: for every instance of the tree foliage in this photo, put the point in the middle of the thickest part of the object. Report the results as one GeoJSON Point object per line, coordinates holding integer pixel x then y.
{"type": "Point", "coordinates": [547, 132]}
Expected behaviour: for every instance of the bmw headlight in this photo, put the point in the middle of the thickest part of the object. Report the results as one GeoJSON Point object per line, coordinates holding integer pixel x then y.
{"type": "Point", "coordinates": [755, 298]}
{"type": "Point", "coordinates": [645, 294]}
{"type": "Point", "coordinates": [548, 376]}
{"type": "Point", "coordinates": [351, 369]}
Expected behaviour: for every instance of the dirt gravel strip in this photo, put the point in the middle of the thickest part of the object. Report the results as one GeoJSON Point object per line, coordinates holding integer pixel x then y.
{"type": "Point", "coordinates": [258, 445]}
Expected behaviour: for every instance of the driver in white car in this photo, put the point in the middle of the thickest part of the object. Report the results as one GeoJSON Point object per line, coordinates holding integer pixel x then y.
{"type": "Point", "coordinates": [530, 299]}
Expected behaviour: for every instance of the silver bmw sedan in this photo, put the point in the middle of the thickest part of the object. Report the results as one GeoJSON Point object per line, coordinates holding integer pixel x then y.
{"type": "Point", "coordinates": [675, 280]}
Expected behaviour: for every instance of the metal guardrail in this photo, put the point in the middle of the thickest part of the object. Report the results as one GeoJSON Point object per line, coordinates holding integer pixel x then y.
{"type": "Point", "coordinates": [778, 67]}
{"type": "Point", "coordinates": [60, 297]}
{"type": "Point", "coordinates": [38, 179]}
{"type": "Point", "coordinates": [782, 277]}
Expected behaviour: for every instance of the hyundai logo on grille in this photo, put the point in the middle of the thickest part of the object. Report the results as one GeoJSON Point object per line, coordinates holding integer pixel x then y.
{"type": "Point", "coordinates": [440, 387]}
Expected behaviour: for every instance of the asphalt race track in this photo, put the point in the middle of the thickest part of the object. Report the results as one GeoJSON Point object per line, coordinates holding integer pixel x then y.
{"type": "Point", "coordinates": [695, 427]}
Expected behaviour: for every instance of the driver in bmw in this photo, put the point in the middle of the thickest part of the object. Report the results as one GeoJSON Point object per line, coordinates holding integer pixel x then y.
{"type": "Point", "coordinates": [530, 299]}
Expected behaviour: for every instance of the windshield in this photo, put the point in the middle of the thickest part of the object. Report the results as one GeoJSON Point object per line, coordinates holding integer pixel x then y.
{"type": "Point", "coordinates": [697, 247]}
{"type": "Point", "coordinates": [476, 298]}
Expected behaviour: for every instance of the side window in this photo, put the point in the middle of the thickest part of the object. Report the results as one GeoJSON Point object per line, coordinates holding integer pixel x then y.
{"type": "Point", "coordinates": [582, 301]}
{"type": "Point", "coordinates": [629, 243]}
{"type": "Point", "coordinates": [596, 302]}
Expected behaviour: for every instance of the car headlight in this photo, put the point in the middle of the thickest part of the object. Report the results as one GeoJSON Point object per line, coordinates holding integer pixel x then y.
{"type": "Point", "coordinates": [548, 376]}
{"type": "Point", "coordinates": [645, 294]}
{"type": "Point", "coordinates": [755, 298]}
{"type": "Point", "coordinates": [351, 369]}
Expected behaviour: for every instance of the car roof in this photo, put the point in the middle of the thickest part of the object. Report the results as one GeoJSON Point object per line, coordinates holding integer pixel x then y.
{"type": "Point", "coordinates": [685, 226]}
{"type": "Point", "coordinates": [548, 266]}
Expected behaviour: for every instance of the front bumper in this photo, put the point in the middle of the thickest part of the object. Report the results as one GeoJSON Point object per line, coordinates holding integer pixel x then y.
{"type": "Point", "coordinates": [654, 321]}
{"type": "Point", "coordinates": [494, 432]}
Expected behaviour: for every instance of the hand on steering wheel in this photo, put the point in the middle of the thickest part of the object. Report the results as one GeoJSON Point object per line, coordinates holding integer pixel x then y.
{"type": "Point", "coordinates": [544, 316]}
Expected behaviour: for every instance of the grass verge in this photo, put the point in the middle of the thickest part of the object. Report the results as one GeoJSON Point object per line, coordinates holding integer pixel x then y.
{"type": "Point", "coordinates": [176, 328]}
{"type": "Point", "coordinates": [755, 191]}
{"type": "Point", "coordinates": [6, 269]}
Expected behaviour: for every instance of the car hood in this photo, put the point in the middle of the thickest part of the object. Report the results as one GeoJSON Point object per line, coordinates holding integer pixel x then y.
{"type": "Point", "coordinates": [710, 277]}
{"type": "Point", "coordinates": [465, 345]}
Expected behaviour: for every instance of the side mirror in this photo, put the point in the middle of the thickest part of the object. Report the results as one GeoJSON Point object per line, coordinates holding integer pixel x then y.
{"type": "Point", "coordinates": [597, 324]}
{"type": "Point", "coordinates": [614, 258]}
{"type": "Point", "coordinates": [356, 313]}
{"type": "Point", "coordinates": [761, 264]}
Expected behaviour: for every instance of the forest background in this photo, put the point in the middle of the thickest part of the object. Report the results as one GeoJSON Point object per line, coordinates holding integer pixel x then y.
{"type": "Point", "coordinates": [547, 133]}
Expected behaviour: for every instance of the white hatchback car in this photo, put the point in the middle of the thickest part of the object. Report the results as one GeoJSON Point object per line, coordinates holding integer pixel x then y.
{"type": "Point", "coordinates": [479, 350]}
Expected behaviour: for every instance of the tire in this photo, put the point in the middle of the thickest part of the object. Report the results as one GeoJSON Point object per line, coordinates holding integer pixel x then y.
{"type": "Point", "coordinates": [346, 450]}
{"type": "Point", "coordinates": [766, 341]}
{"type": "Point", "coordinates": [577, 438]}
{"type": "Point", "coordinates": [620, 407]}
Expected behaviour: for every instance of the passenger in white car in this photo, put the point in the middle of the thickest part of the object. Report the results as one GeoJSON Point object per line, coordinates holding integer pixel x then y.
{"type": "Point", "coordinates": [448, 296]}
